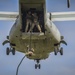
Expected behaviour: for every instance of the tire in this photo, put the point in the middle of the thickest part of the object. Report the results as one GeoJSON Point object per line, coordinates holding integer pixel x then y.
{"type": "Point", "coordinates": [61, 51]}
{"type": "Point", "coordinates": [7, 51]}
{"type": "Point", "coordinates": [55, 52]}
{"type": "Point", "coordinates": [35, 66]}
{"type": "Point", "coordinates": [39, 66]}
{"type": "Point", "coordinates": [13, 51]}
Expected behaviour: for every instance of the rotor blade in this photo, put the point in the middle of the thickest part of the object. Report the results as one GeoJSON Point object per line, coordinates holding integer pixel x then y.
{"type": "Point", "coordinates": [68, 3]}
{"type": "Point", "coordinates": [62, 16]}
{"type": "Point", "coordinates": [8, 15]}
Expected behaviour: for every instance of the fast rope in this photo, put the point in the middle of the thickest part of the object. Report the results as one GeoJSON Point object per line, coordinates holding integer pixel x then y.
{"type": "Point", "coordinates": [24, 56]}
{"type": "Point", "coordinates": [30, 39]}
{"type": "Point", "coordinates": [19, 65]}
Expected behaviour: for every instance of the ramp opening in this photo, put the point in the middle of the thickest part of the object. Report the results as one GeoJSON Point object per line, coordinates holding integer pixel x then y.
{"type": "Point", "coordinates": [33, 8]}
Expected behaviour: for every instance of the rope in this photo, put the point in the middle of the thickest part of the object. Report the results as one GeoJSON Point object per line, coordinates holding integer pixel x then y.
{"type": "Point", "coordinates": [30, 39]}
{"type": "Point", "coordinates": [19, 65]}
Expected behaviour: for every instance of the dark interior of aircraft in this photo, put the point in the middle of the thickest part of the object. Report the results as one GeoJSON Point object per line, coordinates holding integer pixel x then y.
{"type": "Point", "coordinates": [38, 9]}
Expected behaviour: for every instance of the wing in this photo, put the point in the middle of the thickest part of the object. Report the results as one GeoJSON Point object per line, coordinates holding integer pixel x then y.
{"type": "Point", "coordinates": [8, 15]}
{"type": "Point", "coordinates": [62, 16]}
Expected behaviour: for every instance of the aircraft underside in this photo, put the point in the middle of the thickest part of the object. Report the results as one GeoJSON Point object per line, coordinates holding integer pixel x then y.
{"type": "Point", "coordinates": [36, 47]}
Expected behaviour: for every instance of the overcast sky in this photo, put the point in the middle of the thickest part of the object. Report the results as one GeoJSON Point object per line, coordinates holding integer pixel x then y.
{"type": "Point", "coordinates": [54, 65]}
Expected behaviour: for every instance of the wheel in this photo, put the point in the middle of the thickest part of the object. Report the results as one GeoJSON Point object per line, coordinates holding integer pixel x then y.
{"type": "Point", "coordinates": [35, 66]}
{"type": "Point", "coordinates": [13, 51]}
{"type": "Point", "coordinates": [7, 51]}
{"type": "Point", "coordinates": [55, 52]}
{"type": "Point", "coordinates": [61, 51]}
{"type": "Point", "coordinates": [39, 66]}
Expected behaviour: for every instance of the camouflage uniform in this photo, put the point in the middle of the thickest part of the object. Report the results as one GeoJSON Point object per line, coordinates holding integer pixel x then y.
{"type": "Point", "coordinates": [28, 21]}
{"type": "Point", "coordinates": [35, 22]}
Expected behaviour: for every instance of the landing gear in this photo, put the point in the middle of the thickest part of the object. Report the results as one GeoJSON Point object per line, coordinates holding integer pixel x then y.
{"type": "Point", "coordinates": [13, 51]}
{"type": "Point", "coordinates": [37, 65]}
{"type": "Point", "coordinates": [56, 50]}
{"type": "Point", "coordinates": [61, 51]}
{"type": "Point", "coordinates": [8, 50]}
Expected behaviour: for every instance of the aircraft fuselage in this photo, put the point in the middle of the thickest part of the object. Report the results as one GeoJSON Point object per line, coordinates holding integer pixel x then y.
{"type": "Point", "coordinates": [42, 44]}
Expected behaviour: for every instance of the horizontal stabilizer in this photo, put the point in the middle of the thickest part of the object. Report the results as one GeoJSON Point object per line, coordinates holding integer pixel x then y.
{"type": "Point", "coordinates": [8, 15]}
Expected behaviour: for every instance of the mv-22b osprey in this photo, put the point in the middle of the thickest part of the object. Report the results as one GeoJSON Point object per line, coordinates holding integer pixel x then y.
{"type": "Point", "coordinates": [35, 44]}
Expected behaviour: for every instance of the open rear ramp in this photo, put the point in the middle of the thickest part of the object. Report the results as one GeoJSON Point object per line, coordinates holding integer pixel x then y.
{"type": "Point", "coordinates": [35, 6]}
{"type": "Point", "coordinates": [33, 36]}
